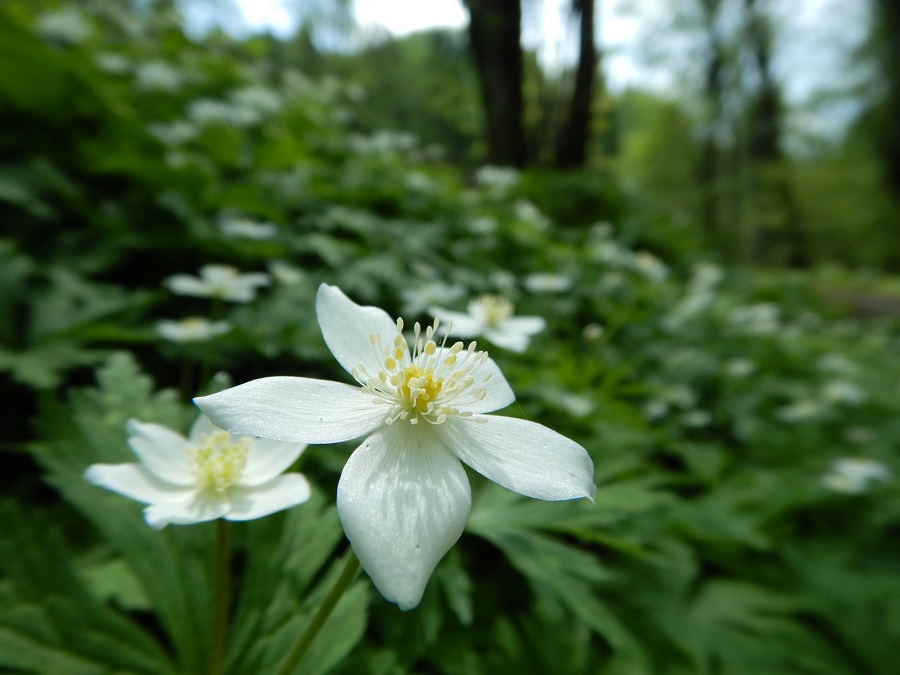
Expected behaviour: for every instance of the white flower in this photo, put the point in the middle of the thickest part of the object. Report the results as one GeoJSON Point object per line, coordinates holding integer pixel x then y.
{"type": "Point", "coordinates": [246, 228]}
{"type": "Point", "coordinates": [543, 282]}
{"type": "Point", "coordinates": [111, 62]}
{"type": "Point", "coordinates": [650, 266]}
{"type": "Point", "coordinates": [417, 299]}
{"type": "Point", "coordinates": [286, 274]}
{"type": "Point", "coordinates": [208, 475]}
{"type": "Point", "coordinates": [174, 133]}
{"type": "Point", "coordinates": [191, 329]}
{"type": "Point", "coordinates": [843, 391]}
{"type": "Point", "coordinates": [798, 411]}
{"type": "Point", "coordinates": [158, 76]}
{"type": "Point", "coordinates": [67, 25]}
{"type": "Point", "coordinates": [403, 496]}
{"type": "Point", "coordinates": [497, 178]}
{"type": "Point", "coordinates": [739, 367]}
{"type": "Point", "coordinates": [219, 281]}
{"type": "Point", "coordinates": [491, 316]}
{"type": "Point", "coordinates": [854, 475]}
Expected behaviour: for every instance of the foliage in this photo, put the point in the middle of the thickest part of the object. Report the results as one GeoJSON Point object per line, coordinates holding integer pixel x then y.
{"type": "Point", "coordinates": [711, 401]}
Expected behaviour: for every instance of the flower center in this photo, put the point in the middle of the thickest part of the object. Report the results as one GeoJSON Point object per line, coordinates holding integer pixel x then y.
{"type": "Point", "coordinates": [493, 309]}
{"type": "Point", "coordinates": [431, 383]}
{"type": "Point", "coordinates": [216, 462]}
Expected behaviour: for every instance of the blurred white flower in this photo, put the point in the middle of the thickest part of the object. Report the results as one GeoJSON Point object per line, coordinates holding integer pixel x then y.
{"type": "Point", "coordinates": [417, 299]}
{"type": "Point", "coordinates": [798, 411]}
{"type": "Point", "coordinates": [859, 435]}
{"type": "Point", "coordinates": [247, 228]}
{"type": "Point", "coordinates": [219, 281]}
{"type": "Point", "coordinates": [577, 405]}
{"type": "Point", "coordinates": [482, 225]}
{"type": "Point", "coordinates": [837, 364]}
{"type": "Point", "coordinates": [174, 133]}
{"type": "Point", "coordinates": [543, 282]}
{"type": "Point", "coordinates": [760, 319]}
{"type": "Point", "coordinates": [601, 230]}
{"type": "Point", "coordinates": [593, 332]}
{"type": "Point", "coordinates": [191, 329]}
{"type": "Point", "coordinates": [208, 475]}
{"type": "Point", "coordinates": [403, 496]}
{"type": "Point", "coordinates": [264, 101]}
{"type": "Point", "coordinates": [208, 111]}
{"type": "Point", "coordinates": [158, 76]}
{"type": "Point", "coordinates": [503, 281]}
{"type": "Point", "coordinates": [66, 25]}
{"type": "Point", "coordinates": [697, 418]}
{"type": "Point", "coordinates": [697, 299]}
{"type": "Point", "coordinates": [110, 62]}
{"type": "Point", "coordinates": [655, 409]}
{"type": "Point", "coordinates": [419, 182]}
{"type": "Point", "coordinates": [843, 391]}
{"type": "Point", "coordinates": [491, 316]}
{"type": "Point", "coordinates": [739, 367]}
{"type": "Point", "coordinates": [527, 212]}
{"type": "Point", "coordinates": [854, 475]}
{"type": "Point", "coordinates": [650, 266]}
{"type": "Point", "coordinates": [286, 274]}
{"type": "Point", "coordinates": [499, 179]}
{"type": "Point", "coordinates": [383, 142]}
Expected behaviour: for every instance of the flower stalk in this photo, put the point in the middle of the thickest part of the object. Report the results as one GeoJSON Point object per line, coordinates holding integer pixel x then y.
{"type": "Point", "coordinates": [223, 597]}
{"type": "Point", "coordinates": [348, 573]}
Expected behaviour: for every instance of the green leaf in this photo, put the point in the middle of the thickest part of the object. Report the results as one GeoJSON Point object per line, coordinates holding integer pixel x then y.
{"type": "Point", "coordinates": [49, 622]}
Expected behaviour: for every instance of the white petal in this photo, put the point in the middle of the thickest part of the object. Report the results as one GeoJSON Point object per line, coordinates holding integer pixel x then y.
{"type": "Point", "coordinates": [403, 500]}
{"type": "Point", "coordinates": [294, 409]}
{"type": "Point", "coordinates": [529, 325]}
{"type": "Point", "coordinates": [280, 493]}
{"type": "Point", "coordinates": [347, 328]}
{"type": "Point", "coordinates": [463, 325]}
{"type": "Point", "coordinates": [515, 342]}
{"type": "Point", "coordinates": [268, 459]}
{"type": "Point", "coordinates": [161, 450]}
{"type": "Point", "coordinates": [522, 456]}
{"type": "Point", "coordinates": [134, 481]}
{"type": "Point", "coordinates": [194, 507]}
{"type": "Point", "coordinates": [498, 393]}
{"type": "Point", "coordinates": [183, 284]}
{"type": "Point", "coordinates": [201, 426]}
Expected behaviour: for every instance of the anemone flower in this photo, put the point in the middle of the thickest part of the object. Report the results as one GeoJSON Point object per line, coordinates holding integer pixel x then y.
{"type": "Point", "coordinates": [208, 475]}
{"type": "Point", "coordinates": [491, 316]}
{"type": "Point", "coordinates": [403, 497]}
{"type": "Point", "coordinates": [219, 281]}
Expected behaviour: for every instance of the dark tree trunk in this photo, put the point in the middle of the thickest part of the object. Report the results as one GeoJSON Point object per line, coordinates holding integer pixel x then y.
{"type": "Point", "coordinates": [574, 136]}
{"type": "Point", "coordinates": [708, 166]}
{"type": "Point", "coordinates": [494, 28]}
{"type": "Point", "coordinates": [889, 41]}
{"type": "Point", "coordinates": [779, 236]}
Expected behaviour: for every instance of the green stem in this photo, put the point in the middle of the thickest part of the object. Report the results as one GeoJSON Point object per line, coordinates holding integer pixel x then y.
{"type": "Point", "coordinates": [342, 584]}
{"type": "Point", "coordinates": [223, 577]}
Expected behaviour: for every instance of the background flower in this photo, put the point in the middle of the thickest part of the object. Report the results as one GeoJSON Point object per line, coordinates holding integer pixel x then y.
{"type": "Point", "coordinates": [491, 316]}
{"type": "Point", "coordinates": [210, 474]}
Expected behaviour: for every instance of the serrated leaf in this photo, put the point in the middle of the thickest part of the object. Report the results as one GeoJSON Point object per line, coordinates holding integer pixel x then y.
{"type": "Point", "coordinates": [49, 621]}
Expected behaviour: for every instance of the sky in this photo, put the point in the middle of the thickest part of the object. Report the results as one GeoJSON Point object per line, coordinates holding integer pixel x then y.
{"type": "Point", "coordinates": [821, 34]}
{"type": "Point", "coordinates": [546, 26]}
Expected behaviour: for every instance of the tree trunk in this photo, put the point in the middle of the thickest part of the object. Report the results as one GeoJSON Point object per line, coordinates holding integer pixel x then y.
{"type": "Point", "coordinates": [779, 236]}
{"type": "Point", "coordinates": [574, 136]}
{"type": "Point", "coordinates": [889, 21]}
{"type": "Point", "coordinates": [494, 28]}
{"type": "Point", "coordinates": [708, 166]}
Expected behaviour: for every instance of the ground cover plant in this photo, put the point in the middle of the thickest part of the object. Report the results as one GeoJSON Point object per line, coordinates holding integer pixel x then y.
{"type": "Point", "coordinates": [171, 209]}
